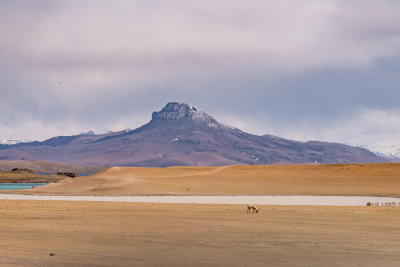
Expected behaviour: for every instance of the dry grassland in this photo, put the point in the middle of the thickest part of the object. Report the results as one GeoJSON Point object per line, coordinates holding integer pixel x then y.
{"type": "Point", "coordinates": [129, 234]}
{"type": "Point", "coordinates": [8, 177]}
{"type": "Point", "coordinates": [45, 166]}
{"type": "Point", "coordinates": [338, 179]}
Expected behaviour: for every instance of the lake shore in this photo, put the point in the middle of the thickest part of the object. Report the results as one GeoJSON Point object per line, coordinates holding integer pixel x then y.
{"type": "Point", "coordinates": [9, 177]}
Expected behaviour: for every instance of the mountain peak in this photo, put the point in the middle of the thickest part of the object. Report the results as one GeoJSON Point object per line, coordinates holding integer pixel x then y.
{"type": "Point", "coordinates": [175, 111]}
{"type": "Point", "coordinates": [180, 135]}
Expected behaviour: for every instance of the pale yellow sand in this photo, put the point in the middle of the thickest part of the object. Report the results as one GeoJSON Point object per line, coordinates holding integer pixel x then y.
{"type": "Point", "coordinates": [351, 179]}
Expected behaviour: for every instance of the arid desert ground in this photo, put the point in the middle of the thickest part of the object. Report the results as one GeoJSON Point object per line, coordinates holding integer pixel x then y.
{"type": "Point", "coordinates": [338, 179]}
{"type": "Point", "coordinates": [140, 234]}
{"type": "Point", "coordinates": [129, 234]}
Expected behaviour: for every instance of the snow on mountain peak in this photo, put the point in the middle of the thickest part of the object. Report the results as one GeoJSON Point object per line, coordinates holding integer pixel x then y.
{"type": "Point", "coordinates": [88, 133]}
{"type": "Point", "coordinates": [14, 142]}
{"type": "Point", "coordinates": [180, 111]}
{"type": "Point", "coordinates": [387, 147]}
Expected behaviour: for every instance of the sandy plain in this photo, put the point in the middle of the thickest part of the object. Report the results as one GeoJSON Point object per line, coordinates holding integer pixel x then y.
{"type": "Point", "coordinates": [132, 234]}
{"type": "Point", "coordinates": [146, 234]}
{"type": "Point", "coordinates": [338, 179]}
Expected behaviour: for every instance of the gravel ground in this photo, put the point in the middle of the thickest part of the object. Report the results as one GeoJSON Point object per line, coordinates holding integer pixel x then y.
{"type": "Point", "coordinates": [262, 200]}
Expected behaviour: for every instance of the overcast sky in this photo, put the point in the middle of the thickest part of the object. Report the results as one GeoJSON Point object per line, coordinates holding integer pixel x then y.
{"type": "Point", "coordinates": [305, 70]}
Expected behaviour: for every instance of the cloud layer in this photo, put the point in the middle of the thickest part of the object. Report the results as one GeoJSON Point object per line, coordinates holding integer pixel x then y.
{"type": "Point", "coordinates": [292, 68]}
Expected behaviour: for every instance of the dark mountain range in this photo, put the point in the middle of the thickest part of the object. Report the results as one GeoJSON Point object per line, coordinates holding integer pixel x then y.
{"type": "Point", "coordinates": [181, 134]}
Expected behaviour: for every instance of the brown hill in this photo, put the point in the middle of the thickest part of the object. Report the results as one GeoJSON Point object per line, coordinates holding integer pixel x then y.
{"type": "Point", "coordinates": [338, 179]}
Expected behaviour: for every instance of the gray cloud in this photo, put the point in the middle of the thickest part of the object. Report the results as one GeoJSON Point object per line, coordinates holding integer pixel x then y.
{"type": "Point", "coordinates": [291, 68]}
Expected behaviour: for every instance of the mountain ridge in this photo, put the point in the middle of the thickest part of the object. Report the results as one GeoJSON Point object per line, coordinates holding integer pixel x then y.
{"type": "Point", "coordinates": [182, 134]}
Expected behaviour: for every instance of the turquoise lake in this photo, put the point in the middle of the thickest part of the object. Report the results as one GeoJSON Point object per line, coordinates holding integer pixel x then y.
{"type": "Point", "coordinates": [19, 186]}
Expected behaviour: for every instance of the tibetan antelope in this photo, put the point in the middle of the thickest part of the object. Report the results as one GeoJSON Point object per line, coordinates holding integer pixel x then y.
{"type": "Point", "coordinates": [252, 209]}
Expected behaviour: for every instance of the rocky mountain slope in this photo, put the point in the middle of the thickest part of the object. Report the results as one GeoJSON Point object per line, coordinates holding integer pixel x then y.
{"type": "Point", "coordinates": [181, 134]}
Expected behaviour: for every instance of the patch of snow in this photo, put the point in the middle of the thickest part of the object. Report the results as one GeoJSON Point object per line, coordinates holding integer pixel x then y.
{"type": "Point", "coordinates": [88, 133]}
{"type": "Point", "coordinates": [230, 127]}
{"type": "Point", "coordinates": [14, 142]}
{"type": "Point", "coordinates": [122, 131]}
{"type": "Point", "coordinates": [389, 148]}
{"type": "Point", "coordinates": [177, 111]}
{"type": "Point", "coordinates": [213, 125]}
